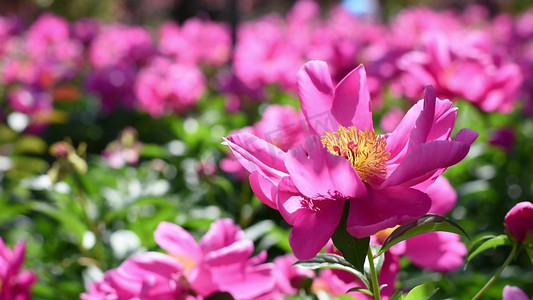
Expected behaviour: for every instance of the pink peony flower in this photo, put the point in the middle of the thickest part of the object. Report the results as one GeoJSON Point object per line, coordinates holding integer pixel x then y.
{"type": "Point", "coordinates": [149, 276]}
{"type": "Point", "coordinates": [211, 42]}
{"type": "Point", "coordinates": [14, 282]}
{"type": "Point", "coordinates": [121, 45]}
{"type": "Point", "coordinates": [343, 159]}
{"type": "Point", "coordinates": [164, 86]}
{"type": "Point", "coordinates": [222, 261]}
{"type": "Point", "coordinates": [519, 221]}
{"type": "Point", "coordinates": [467, 72]}
{"type": "Point", "coordinates": [514, 293]}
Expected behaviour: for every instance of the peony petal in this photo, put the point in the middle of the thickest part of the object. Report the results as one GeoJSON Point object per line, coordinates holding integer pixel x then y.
{"type": "Point", "coordinates": [436, 251]}
{"type": "Point", "coordinates": [222, 233]}
{"type": "Point", "coordinates": [316, 96]}
{"type": "Point", "coordinates": [419, 126]}
{"type": "Point", "coordinates": [351, 105]}
{"type": "Point", "coordinates": [256, 154]}
{"type": "Point", "coordinates": [264, 189]}
{"type": "Point", "coordinates": [314, 227]}
{"type": "Point", "coordinates": [385, 208]}
{"type": "Point", "coordinates": [319, 174]}
{"type": "Point", "coordinates": [177, 241]}
{"type": "Point", "coordinates": [427, 158]}
{"type": "Point", "coordinates": [245, 283]}
{"type": "Point", "coordinates": [237, 252]}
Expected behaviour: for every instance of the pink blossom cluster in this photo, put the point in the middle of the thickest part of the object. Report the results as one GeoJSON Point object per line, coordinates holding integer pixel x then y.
{"type": "Point", "coordinates": [15, 283]}
{"type": "Point", "coordinates": [222, 261]}
{"type": "Point", "coordinates": [486, 61]}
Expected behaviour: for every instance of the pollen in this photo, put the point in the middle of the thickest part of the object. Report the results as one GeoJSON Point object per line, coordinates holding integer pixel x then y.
{"type": "Point", "coordinates": [363, 148]}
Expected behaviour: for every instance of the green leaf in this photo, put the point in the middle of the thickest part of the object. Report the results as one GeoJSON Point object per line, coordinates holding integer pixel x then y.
{"type": "Point", "coordinates": [353, 249]}
{"type": "Point", "coordinates": [398, 295]}
{"type": "Point", "coordinates": [529, 251]}
{"type": "Point", "coordinates": [69, 221]}
{"type": "Point", "coordinates": [423, 291]}
{"type": "Point", "coordinates": [331, 261]}
{"type": "Point", "coordinates": [492, 242]}
{"type": "Point", "coordinates": [425, 224]}
{"type": "Point", "coordinates": [359, 289]}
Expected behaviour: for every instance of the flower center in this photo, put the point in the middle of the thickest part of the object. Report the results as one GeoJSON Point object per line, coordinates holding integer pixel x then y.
{"type": "Point", "coordinates": [364, 149]}
{"type": "Point", "coordinates": [187, 261]}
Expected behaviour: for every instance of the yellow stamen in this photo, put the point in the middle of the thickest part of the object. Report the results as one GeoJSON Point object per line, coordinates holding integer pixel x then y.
{"type": "Point", "coordinates": [186, 261]}
{"type": "Point", "coordinates": [364, 149]}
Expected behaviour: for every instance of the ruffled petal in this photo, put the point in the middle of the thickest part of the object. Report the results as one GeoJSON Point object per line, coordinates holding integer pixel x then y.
{"type": "Point", "coordinates": [314, 222]}
{"type": "Point", "coordinates": [385, 208]}
{"type": "Point", "coordinates": [316, 93]}
{"type": "Point", "coordinates": [258, 155]}
{"type": "Point", "coordinates": [264, 189]}
{"type": "Point", "coordinates": [319, 174]}
{"type": "Point", "coordinates": [351, 105]}
{"type": "Point", "coordinates": [421, 163]}
{"type": "Point", "coordinates": [177, 241]}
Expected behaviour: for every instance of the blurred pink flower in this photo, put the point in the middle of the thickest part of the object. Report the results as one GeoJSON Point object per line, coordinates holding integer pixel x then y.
{"type": "Point", "coordinates": [391, 119]}
{"type": "Point", "coordinates": [514, 293]}
{"type": "Point", "coordinates": [164, 86]}
{"type": "Point", "coordinates": [289, 278]}
{"type": "Point", "coordinates": [113, 85]}
{"type": "Point", "coordinates": [211, 42]}
{"type": "Point", "coordinates": [345, 160]}
{"type": "Point", "coordinates": [505, 138]}
{"type": "Point", "coordinates": [125, 150]}
{"type": "Point", "coordinates": [15, 283]}
{"type": "Point", "coordinates": [149, 276]}
{"type": "Point", "coordinates": [43, 56]}
{"type": "Point", "coordinates": [119, 44]}
{"type": "Point", "coordinates": [222, 261]}
{"type": "Point", "coordinates": [467, 72]}
{"type": "Point", "coordinates": [519, 221]}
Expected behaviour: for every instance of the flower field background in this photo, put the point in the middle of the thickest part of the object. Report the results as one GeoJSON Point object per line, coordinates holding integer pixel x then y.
{"type": "Point", "coordinates": [196, 160]}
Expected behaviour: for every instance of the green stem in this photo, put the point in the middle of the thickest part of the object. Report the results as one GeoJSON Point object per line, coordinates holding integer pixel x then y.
{"type": "Point", "coordinates": [376, 295]}
{"type": "Point", "coordinates": [500, 270]}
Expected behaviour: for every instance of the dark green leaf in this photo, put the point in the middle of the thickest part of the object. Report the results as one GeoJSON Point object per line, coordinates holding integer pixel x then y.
{"type": "Point", "coordinates": [529, 251]}
{"type": "Point", "coordinates": [423, 291]}
{"type": "Point", "coordinates": [331, 261]}
{"type": "Point", "coordinates": [493, 242]}
{"type": "Point", "coordinates": [353, 249]}
{"type": "Point", "coordinates": [427, 223]}
{"type": "Point", "coordinates": [359, 289]}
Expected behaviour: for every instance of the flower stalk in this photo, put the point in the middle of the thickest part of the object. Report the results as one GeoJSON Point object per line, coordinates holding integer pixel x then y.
{"type": "Point", "coordinates": [500, 270]}
{"type": "Point", "coordinates": [374, 276]}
